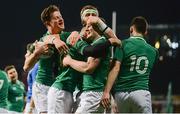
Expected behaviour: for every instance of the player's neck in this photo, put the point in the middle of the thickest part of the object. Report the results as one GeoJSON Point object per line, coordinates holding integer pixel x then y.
{"type": "Point", "coordinates": [53, 31]}
{"type": "Point", "coordinates": [96, 37]}
{"type": "Point", "coordinates": [13, 81]}
{"type": "Point", "coordinates": [137, 34]}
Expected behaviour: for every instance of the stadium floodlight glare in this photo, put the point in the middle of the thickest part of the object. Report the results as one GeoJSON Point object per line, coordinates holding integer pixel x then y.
{"type": "Point", "coordinates": [175, 45]}
{"type": "Point", "coordinates": [157, 45]}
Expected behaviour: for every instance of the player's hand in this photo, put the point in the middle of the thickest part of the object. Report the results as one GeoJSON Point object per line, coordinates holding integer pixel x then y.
{"type": "Point", "coordinates": [92, 20]}
{"type": "Point", "coordinates": [105, 101]}
{"type": "Point", "coordinates": [114, 108]}
{"type": "Point", "coordinates": [115, 41]}
{"type": "Point", "coordinates": [29, 111]}
{"type": "Point", "coordinates": [66, 60]}
{"type": "Point", "coordinates": [97, 24]}
{"type": "Point", "coordinates": [59, 44]}
{"type": "Point", "coordinates": [73, 38]}
{"type": "Point", "coordinates": [40, 48]}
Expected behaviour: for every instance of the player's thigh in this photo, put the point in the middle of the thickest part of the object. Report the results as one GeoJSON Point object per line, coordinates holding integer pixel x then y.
{"type": "Point", "coordinates": [59, 101]}
{"type": "Point", "coordinates": [122, 101]}
{"type": "Point", "coordinates": [40, 92]}
{"type": "Point", "coordinates": [3, 111]}
{"type": "Point", "coordinates": [142, 101]}
{"type": "Point", "coordinates": [90, 102]}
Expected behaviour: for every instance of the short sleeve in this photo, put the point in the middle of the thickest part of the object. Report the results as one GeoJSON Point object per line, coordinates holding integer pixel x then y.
{"type": "Point", "coordinates": [118, 54]}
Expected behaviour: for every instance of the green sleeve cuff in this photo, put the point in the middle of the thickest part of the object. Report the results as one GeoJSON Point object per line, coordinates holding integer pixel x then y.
{"type": "Point", "coordinates": [80, 45]}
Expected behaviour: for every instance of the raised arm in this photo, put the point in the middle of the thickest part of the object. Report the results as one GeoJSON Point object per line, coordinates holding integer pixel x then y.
{"type": "Point", "coordinates": [30, 61]}
{"type": "Point", "coordinates": [32, 57]}
{"type": "Point", "coordinates": [96, 22]}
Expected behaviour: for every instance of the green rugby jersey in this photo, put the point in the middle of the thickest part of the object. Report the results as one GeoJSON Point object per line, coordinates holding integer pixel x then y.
{"type": "Point", "coordinates": [16, 94]}
{"type": "Point", "coordinates": [97, 80]}
{"type": "Point", "coordinates": [137, 59]}
{"type": "Point", "coordinates": [3, 89]}
{"type": "Point", "coordinates": [70, 78]}
{"type": "Point", "coordinates": [49, 68]}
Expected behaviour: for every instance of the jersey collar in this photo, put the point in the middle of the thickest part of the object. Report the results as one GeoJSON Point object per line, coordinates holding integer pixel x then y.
{"type": "Point", "coordinates": [139, 37]}
{"type": "Point", "coordinates": [98, 40]}
{"type": "Point", "coordinates": [48, 33]}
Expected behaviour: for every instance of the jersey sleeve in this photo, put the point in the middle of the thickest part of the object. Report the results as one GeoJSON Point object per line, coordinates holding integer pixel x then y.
{"type": "Point", "coordinates": [98, 50]}
{"type": "Point", "coordinates": [80, 45]}
{"type": "Point", "coordinates": [118, 54]}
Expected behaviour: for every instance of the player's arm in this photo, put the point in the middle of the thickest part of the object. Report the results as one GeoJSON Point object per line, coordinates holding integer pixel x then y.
{"type": "Point", "coordinates": [100, 49]}
{"type": "Point", "coordinates": [31, 106]}
{"type": "Point", "coordinates": [91, 50]}
{"type": "Point", "coordinates": [32, 57]}
{"type": "Point", "coordinates": [30, 61]}
{"type": "Point", "coordinates": [96, 22]}
{"type": "Point", "coordinates": [81, 66]}
{"type": "Point", "coordinates": [105, 101]}
{"type": "Point", "coordinates": [114, 71]}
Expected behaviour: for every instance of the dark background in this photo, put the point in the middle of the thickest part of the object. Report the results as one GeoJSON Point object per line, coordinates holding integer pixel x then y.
{"type": "Point", "coordinates": [21, 24]}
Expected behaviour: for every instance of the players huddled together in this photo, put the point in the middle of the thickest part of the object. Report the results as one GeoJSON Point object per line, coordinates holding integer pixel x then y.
{"type": "Point", "coordinates": [82, 71]}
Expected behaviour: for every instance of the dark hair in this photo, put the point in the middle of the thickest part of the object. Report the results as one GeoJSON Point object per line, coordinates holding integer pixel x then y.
{"type": "Point", "coordinates": [140, 24]}
{"type": "Point", "coordinates": [9, 67]}
{"type": "Point", "coordinates": [88, 7]}
{"type": "Point", "coordinates": [28, 46]}
{"type": "Point", "coordinates": [47, 12]}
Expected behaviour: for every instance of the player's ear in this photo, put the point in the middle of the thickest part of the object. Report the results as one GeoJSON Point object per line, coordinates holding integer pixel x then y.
{"type": "Point", "coordinates": [47, 23]}
{"type": "Point", "coordinates": [146, 32]}
{"type": "Point", "coordinates": [131, 30]}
